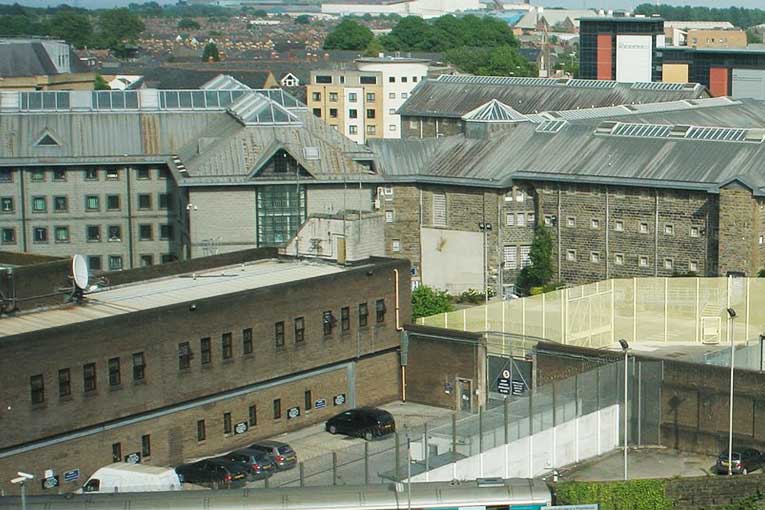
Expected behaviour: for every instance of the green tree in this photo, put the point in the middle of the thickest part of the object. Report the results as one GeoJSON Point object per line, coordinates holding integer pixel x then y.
{"type": "Point", "coordinates": [260, 13]}
{"type": "Point", "coordinates": [100, 83]}
{"type": "Point", "coordinates": [72, 27]}
{"type": "Point", "coordinates": [303, 19]}
{"type": "Point", "coordinates": [348, 35]}
{"type": "Point", "coordinates": [374, 48]}
{"type": "Point", "coordinates": [118, 26]}
{"type": "Point", "coordinates": [211, 53]}
{"type": "Point", "coordinates": [428, 301]}
{"type": "Point", "coordinates": [506, 61]}
{"type": "Point", "coordinates": [188, 24]}
{"type": "Point", "coordinates": [753, 37]}
{"type": "Point", "coordinates": [540, 270]}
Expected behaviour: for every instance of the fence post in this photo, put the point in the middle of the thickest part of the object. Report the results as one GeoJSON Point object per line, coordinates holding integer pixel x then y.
{"type": "Point", "coordinates": [398, 455]}
{"type": "Point", "coordinates": [334, 468]}
{"type": "Point", "coordinates": [427, 457]}
{"type": "Point", "coordinates": [265, 482]}
{"type": "Point", "coordinates": [302, 474]}
{"type": "Point", "coordinates": [454, 433]}
{"type": "Point", "coordinates": [366, 463]}
{"type": "Point", "coordinates": [480, 429]}
{"type": "Point", "coordinates": [507, 421]}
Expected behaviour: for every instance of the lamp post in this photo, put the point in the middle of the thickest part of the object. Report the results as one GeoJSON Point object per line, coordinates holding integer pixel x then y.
{"type": "Point", "coordinates": [731, 316]}
{"type": "Point", "coordinates": [485, 228]}
{"type": "Point", "coordinates": [625, 348]}
{"type": "Point", "coordinates": [21, 480]}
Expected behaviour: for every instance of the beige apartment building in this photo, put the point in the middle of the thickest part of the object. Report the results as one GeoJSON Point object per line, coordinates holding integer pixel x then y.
{"type": "Point", "coordinates": [348, 100]}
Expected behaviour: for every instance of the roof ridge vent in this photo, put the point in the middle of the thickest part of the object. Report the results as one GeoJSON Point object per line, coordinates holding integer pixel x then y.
{"type": "Point", "coordinates": [605, 128]}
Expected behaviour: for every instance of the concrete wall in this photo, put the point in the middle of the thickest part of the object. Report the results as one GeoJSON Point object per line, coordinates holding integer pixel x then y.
{"type": "Point", "coordinates": [222, 220]}
{"type": "Point", "coordinates": [452, 260]}
{"type": "Point", "coordinates": [321, 237]}
{"type": "Point", "coordinates": [331, 200]}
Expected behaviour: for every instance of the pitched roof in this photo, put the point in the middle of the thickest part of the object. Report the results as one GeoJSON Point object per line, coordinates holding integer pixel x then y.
{"type": "Point", "coordinates": [224, 82]}
{"type": "Point", "coordinates": [553, 17]}
{"type": "Point", "coordinates": [494, 111]}
{"type": "Point", "coordinates": [167, 77]}
{"type": "Point", "coordinates": [455, 95]}
{"type": "Point", "coordinates": [25, 58]}
{"type": "Point", "coordinates": [662, 154]}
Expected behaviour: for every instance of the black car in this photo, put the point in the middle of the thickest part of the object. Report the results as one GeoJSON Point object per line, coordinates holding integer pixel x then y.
{"type": "Point", "coordinates": [259, 464]}
{"type": "Point", "coordinates": [215, 473]}
{"type": "Point", "coordinates": [745, 460]}
{"type": "Point", "coordinates": [366, 422]}
{"type": "Point", "coordinates": [282, 454]}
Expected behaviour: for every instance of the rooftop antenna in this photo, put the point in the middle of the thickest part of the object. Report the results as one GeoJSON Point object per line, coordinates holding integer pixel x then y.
{"type": "Point", "coordinates": [80, 276]}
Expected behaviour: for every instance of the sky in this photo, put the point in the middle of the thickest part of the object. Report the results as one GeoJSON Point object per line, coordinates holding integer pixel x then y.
{"type": "Point", "coordinates": [571, 4]}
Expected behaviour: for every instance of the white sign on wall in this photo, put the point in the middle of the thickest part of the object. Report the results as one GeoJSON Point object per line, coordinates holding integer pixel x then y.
{"type": "Point", "coordinates": [634, 55]}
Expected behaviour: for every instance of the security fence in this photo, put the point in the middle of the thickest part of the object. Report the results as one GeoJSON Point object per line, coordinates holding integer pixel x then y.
{"type": "Point", "coordinates": [665, 310]}
{"type": "Point", "coordinates": [545, 428]}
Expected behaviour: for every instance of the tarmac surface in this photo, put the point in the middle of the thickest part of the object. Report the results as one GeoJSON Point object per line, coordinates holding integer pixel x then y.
{"type": "Point", "coordinates": [641, 463]}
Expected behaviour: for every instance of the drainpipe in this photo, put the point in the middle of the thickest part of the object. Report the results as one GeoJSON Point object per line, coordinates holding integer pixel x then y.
{"type": "Point", "coordinates": [23, 209]}
{"type": "Point", "coordinates": [398, 307]}
{"type": "Point", "coordinates": [404, 354]}
{"type": "Point", "coordinates": [129, 191]}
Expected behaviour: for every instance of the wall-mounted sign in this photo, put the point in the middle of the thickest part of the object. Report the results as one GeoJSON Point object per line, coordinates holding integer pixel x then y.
{"type": "Point", "coordinates": [133, 458]}
{"type": "Point", "coordinates": [320, 404]}
{"type": "Point", "coordinates": [240, 428]}
{"type": "Point", "coordinates": [339, 399]}
{"type": "Point", "coordinates": [72, 475]}
{"type": "Point", "coordinates": [293, 412]}
{"type": "Point", "coordinates": [518, 387]}
{"type": "Point", "coordinates": [50, 482]}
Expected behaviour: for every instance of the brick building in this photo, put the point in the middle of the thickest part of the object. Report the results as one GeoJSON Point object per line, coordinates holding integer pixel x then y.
{"type": "Point", "coordinates": [191, 364]}
{"type": "Point", "coordinates": [639, 190]}
{"type": "Point", "coordinates": [437, 107]}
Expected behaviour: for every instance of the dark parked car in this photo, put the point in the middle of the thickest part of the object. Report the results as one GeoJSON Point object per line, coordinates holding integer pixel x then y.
{"type": "Point", "coordinates": [366, 422]}
{"type": "Point", "coordinates": [745, 460]}
{"type": "Point", "coordinates": [282, 454]}
{"type": "Point", "coordinates": [259, 464]}
{"type": "Point", "coordinates": [215, 473]}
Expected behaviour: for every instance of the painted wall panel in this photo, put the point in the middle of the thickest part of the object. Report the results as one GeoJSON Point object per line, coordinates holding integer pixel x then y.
{"type": "Point", "coordinates": [604, 60]}
{"type": "Point", "coordinates": [633, 58]}
{"type": "Point", "coordinates": [675, 73]}
{"type": "Point", "coordinates": [718, 81]}
{"type": "Point", "coordinates": [749, 83]}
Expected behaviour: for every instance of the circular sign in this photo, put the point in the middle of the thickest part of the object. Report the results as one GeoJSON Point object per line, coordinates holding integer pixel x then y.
{"type": "Point", "coordinates": [50, 482]}
{"type": "Point", "coordinates": [339, 399]}
{"type": "Point", "coordinates": [506, 374]}
{"type": "Point", "coordinates": [133, 458]}
{"type": "Point", "coordinates": [293, 412]}
{"type": "Point", "coordinates": [240, 428]}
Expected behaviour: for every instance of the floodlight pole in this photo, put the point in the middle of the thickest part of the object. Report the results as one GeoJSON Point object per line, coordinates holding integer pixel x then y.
{"type": "Point", "coordinates": [731, 329]}
{"type": "Point", "coordinates": [485, 228]}
{"type": "Point", "coordinates": [625, 347]}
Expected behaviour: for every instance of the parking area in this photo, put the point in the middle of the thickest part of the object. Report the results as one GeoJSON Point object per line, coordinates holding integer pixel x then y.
{"type": "Point", "coordinates": [642, 463]}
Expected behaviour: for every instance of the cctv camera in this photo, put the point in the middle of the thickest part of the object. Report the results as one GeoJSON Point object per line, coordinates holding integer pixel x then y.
{"type": "Point", "coordinates": [25, 475]}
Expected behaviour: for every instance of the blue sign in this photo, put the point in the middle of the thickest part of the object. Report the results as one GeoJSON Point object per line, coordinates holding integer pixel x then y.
{"type": "Point", "coordinates": [320, 404]}
{"type": "Point", "coordinates": [72, 476]}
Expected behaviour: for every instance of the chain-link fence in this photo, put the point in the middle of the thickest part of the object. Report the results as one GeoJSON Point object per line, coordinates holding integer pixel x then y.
{"type": "Point", "coordinates": [667, 310]}
{"type": "Point", "coordinates": [546, 428]}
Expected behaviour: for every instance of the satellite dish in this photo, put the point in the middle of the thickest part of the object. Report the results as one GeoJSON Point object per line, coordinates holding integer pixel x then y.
{"type": "Point", "coordinates": [80, 272]}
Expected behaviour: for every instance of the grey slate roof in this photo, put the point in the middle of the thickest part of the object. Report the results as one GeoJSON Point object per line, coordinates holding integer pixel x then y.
{"type": "Point", "coordinates": [454, 96]}
{"type": "Point", "coordinates": [578, 152]}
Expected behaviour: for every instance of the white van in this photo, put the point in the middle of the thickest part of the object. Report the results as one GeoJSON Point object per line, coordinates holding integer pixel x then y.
{"type": "Point", "coordinates": [124, 477]}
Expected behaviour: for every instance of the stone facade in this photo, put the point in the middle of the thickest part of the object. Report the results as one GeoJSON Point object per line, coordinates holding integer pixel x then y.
{"type": "Point", "coordinates": [599, 231]}
{"type": "Point", "coordinates": [361, 361]}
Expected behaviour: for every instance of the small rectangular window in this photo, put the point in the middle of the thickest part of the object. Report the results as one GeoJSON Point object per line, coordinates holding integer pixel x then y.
{"type": "Point", "coordinates": [143, 174]}
{"type": "Point", "coordinates": [695, 232]}
{"type": "Point", "coordinates": [94, 262]}
{"type": "Point", "coordinates": [112, 174]}
{"type": "Point", "coordinates": [61, 233]}
{"type": "Point", "coordinates": [201, 430]}
{"type": "Point", "coordinates": [277, 408]}
{"type": "Point", "coordinates": [669, 230]}
{"type": "Point", "coordinates": [380, 310]}
{"type": "Point", "coordinates": [643, 228]}
{"type": "Point", "coordinates": [247, 341]}
{"type": "Point", "coordinates": [6, 205]}
{"type": "Point", "coordinates": [116, 452]}
{"type": "Point", "coordinates": [115, 262]}
{"type": "Point", "coordinates": [227, 345]}
{"type": "Point", "coordinates": [345, 319]}
{"type": "Point", "coordinates": [114, 372]}
{"type": "Point", "coordinates": [40, 234]}
{"type": "Point", "coordinates": [145, 446]}
{"type": "Point", "coordinates": [439, 209]}
{"type": "Point", "coordinates": [299, 330]}
{"type": "Point", "coordinates": [92, 203]}
{"type": "Point", "coordinates": [643, 261]}
{"type": "Point", "coordinates": [227, 423]}
{"type": "Point", "coordinates": [113, 202]}
{"type": "Point", "coordinates": [89, 377]}
{"type": "Point", "coordinates": [60, 204]}
{"type": "Point", "coordinates": [64, 382]}
{"type": "Point", "coordinates": [163, 199]}
{"type": "Point", "coordinates": [279, 334]}
{"type": "Point", "coordinates": [144, 201]}
{"type": "Point", "coordinates": [619, 226]}
{"type": "Point", "coordinates": [396, 245]}
{"type": "Point", "coordinates": [165, 232]}
{"type": "Point", "coordinates": [139, 366]}
{"type": "Point", "coordinates": [370, 113]}
{"type": "Point", "coordinates": [115, 233]}
{"type": "Point", "coordinates": [510, 257]}
{"type": "Point", "coordinates": [510, 219]}
{"type": "Point", "coordinates": [91, 174]}
{"type": "Point", "coordinates": [8, 236]}
{"type": "Point", "coordinates": [370, 97]}
{"type": "Point", "coordinates": [147, 260]}
{"type": "Point", "coordinates": [595, 257]}
{"type": "Point", "coordinates": [571, 255]}
{"type": "Point", "coordinates": [693, 266]}
{"type": "Point", "coordinates": [327, 322]}
{"type": "Point", "coordinates": [307, 400]}
{"type": "Point", "coordinates": [595, 223]}
{"type": "Point", "coordinates": [37, 385]}
{"type": "Point", "coordinates": [520, 219]}
{"type": "Point", "coordinates": [39, 204]}
{"type": "Point", "coordinates": [59, 174]}
{"type": "Point", "coordinates": [205, 350]}
{"type": "Point", "coordinates": [38, 175]}
{"type": "Point", "coordinates": [363, 315]}
{"type": "Point", "coordinates": [669, 264]}
{"type": "Point", "coordinates": [388, 216]}
{"type": "Point", "coordinates": [619, 259]}
{"type": "Point", "coordinates": [253, 415]}
{"type": "Point", "coordinates": [145, 232]}
{"type": "Point", "coordinates": [184, 355]}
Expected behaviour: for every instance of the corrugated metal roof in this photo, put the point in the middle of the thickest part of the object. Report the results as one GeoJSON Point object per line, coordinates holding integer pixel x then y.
{"type": "Point", "coordinates": [170, 291]}
{"type": "Point", "coordinates": [454, 96]}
